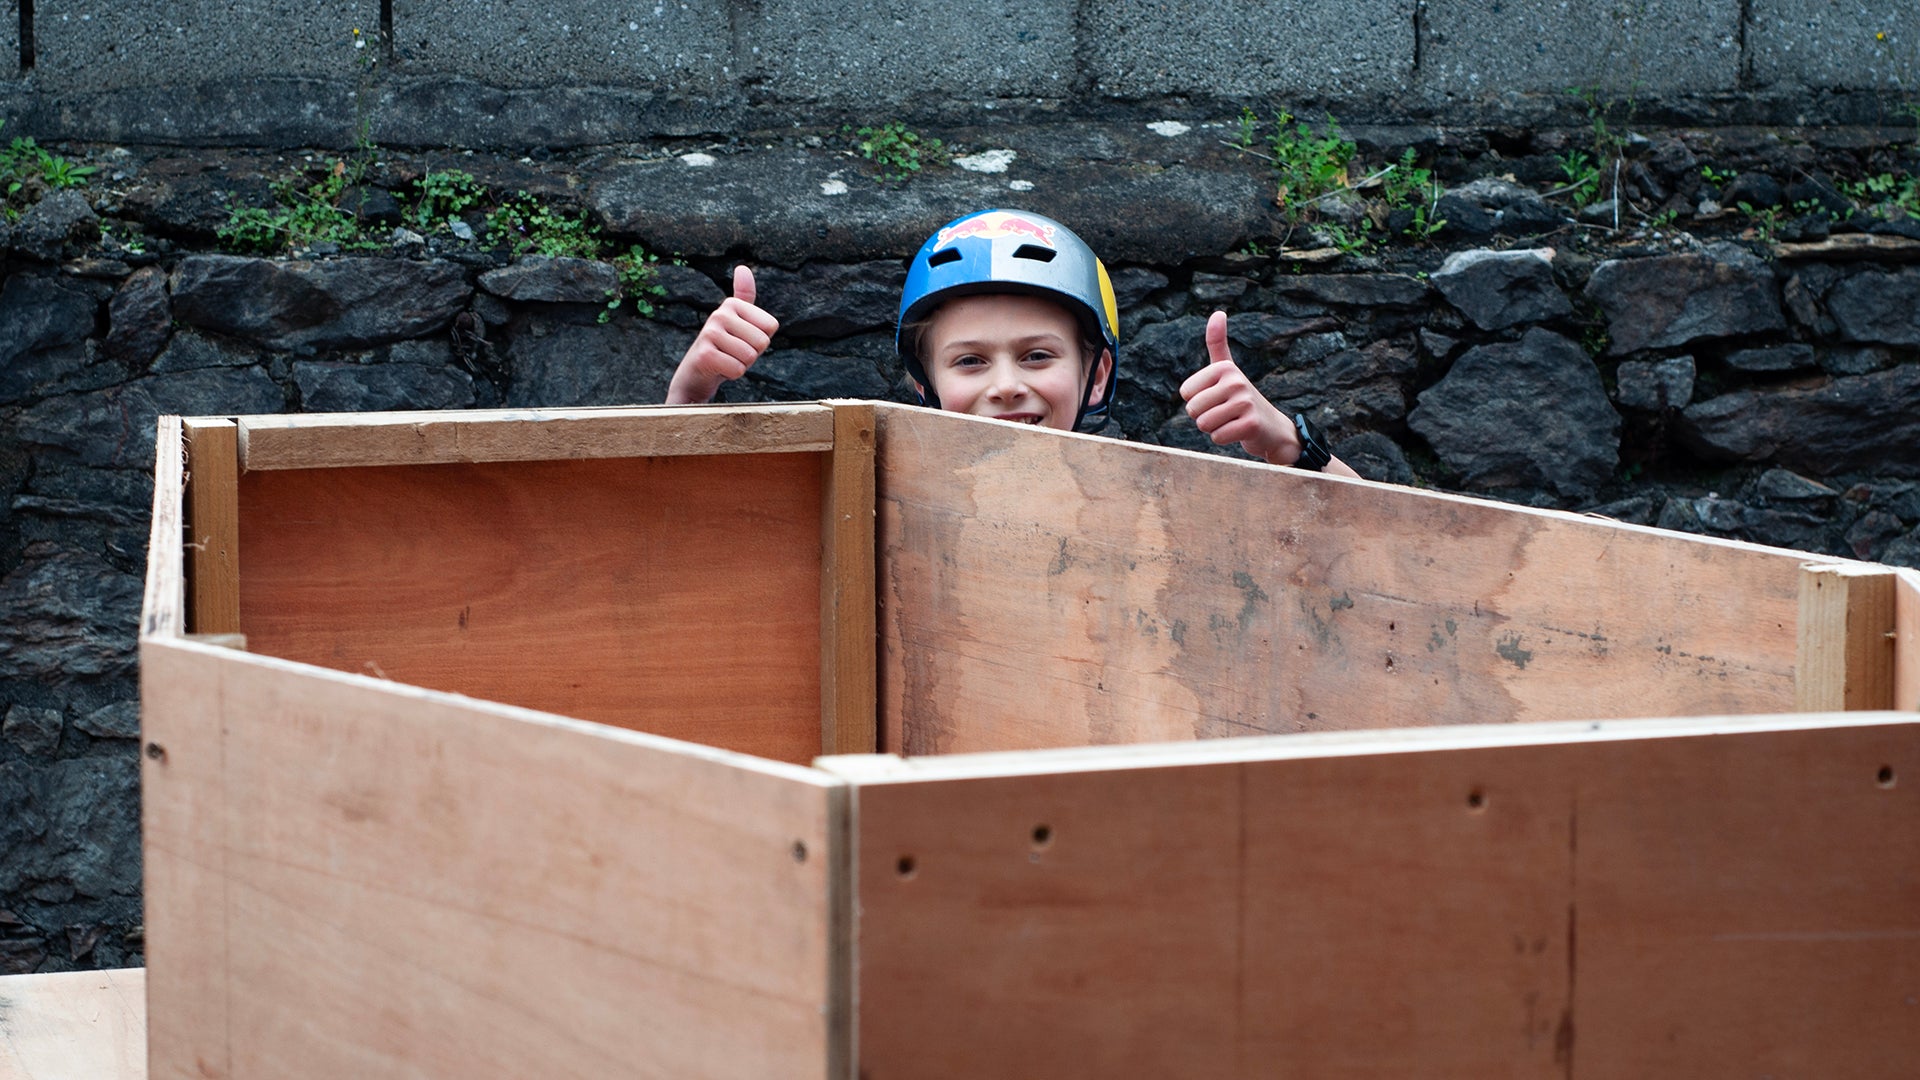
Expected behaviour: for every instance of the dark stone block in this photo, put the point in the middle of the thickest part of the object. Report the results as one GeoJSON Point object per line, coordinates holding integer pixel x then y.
{"type": "Point", "coordinates": [330, 304]}
{"type": "Point", "coordinates": [1636, 510]}
{"type": "Point", "coordinates": [1861, 360]}
{"type": "Point", "coordinates": [139, 319]}
{"type": "Point", "coordinates": [74, 821]}
{"type": "Point", "coordinates": [1375, 457]}
{"type": "Point", "coordinates": [1794, 357]}
{"type": "Point", "coordinates": [71, 616]}
{"type": "Point", "coordinates": [802, 375]}
{"type": "Point", "coordinates": [1878, 306]}
{"type": "Point", "coordinates": [189, 351]}
{"type": "Point", "coordinates": [1903, 552]}
{"type": "Point", "coordinates": [1786, 528]}
{"type": "Point", "coordinates": [685, 285]}
{"type": "Point", "coordinates": [1133, 284]}
{"type": "Point", "coordinates": [1351, 388]}
{"type": "Point", "coordinates": [120, 720]}
{"type": "Point", "coordinates": [1756, 189]}
{"type": "Point", "coordinates": [1869, 536]}
{"type": "Point", "coordinates": [1352, 290]}
{"type": "Point", "coordinates": [831, 299]}
{"type": "Point", "coordinates": [1784, 485]}
{"type": "Point", "coordinates": [61, 220]}
{"type": "Point", "coordinates": [626, 361]}
{"type": "Point", "coordinates": [1498, 289]}
{"type": "Point", "coordinates": [44, 324]}
{"type": "Point", "coordinates": [1652, 385]}
{"type": "Point", "coordinates": [553, 280]}
{"type": "Point", "coordinates": [381, 387]}
{"type": "Point", "coordinates": [1863, 423]}
{"type": "Point", "coordinates": [1672, 300]}
{"type": "Point", "coordinates": [1531, 414]}
{"type": "Point", "coordinates": [115, 427]}
{"type": "Point", "coordinates": [32, 731]}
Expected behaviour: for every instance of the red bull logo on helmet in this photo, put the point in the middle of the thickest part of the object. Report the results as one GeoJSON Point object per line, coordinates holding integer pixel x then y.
{"type": "Point", "coordinates": [993, 226]}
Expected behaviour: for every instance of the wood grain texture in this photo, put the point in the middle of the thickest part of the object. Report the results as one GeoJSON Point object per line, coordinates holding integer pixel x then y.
{"type": "Point", "coordinates": [74, 1024]}
{"type": "Point", "coordinates": [163, 601]}
{"type": "Point", "coordinates": [1906, 673]}
{"type": "Point", "coordinates": [1734, 897]}
{"type": "Point", "coordinates": [676, 595]}
{"type": "Point", "coordinates": [328, 440]}
{"type": "Point", "coordinates": [213, 499]}
{"type": "Point", "coordinates": [1040, 589]}
{"type": "Point", "coordinates": [353, 878]}
{"type": "Point", "coordinates": [847, 656]}
{"type": "Point", "coordinates": [1846, 638]}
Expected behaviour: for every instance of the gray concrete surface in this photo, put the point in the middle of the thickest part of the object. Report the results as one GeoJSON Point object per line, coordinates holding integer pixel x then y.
{"type": "Point", "coordinates": [1477, 49]}
{"type": "Point", "coordinates": [92, 45]}
{"type": "Point", "coordinates": [1257, 50]}
{"type": "Point", "coordinates": [9, 40]}
{"type": "Point", "coordinates": [1841, 44]}
{"type": "Point", "coordinates": [682, 45]}
{"type": "Point", "coordinates": [576, 72]}
{"type": "Point", "coordinates": [887, 51]}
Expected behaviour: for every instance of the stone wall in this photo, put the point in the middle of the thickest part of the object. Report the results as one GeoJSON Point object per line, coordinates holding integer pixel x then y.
{"type": "Point", "coordinates": [493, 73]}
{"type": "Point", "coordinates": [1703, 379]}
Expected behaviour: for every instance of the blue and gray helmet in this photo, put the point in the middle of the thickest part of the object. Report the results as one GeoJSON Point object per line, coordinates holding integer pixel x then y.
{"type": "Point", "coordinates": [1011, 251]}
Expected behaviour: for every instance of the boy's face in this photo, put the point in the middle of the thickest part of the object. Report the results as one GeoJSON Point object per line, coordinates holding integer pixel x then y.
{"type": "Point", "coordinates": [1010, 357]}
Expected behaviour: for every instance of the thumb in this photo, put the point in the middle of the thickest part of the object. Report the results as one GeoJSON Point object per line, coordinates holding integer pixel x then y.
{"type": "Point", "coordinates": [1217, 351]}
{"type": "Point", "coordinates": [743, 283]}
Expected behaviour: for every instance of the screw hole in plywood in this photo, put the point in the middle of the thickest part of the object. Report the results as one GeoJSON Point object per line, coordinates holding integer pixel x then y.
{"type": "Point", "coordinates": [1885, 777]}
{"type": "Point", "coordinates": [1476, 800]}
{"type": "Point", "coordinates": [906, 868]}
{"type": "Point", "coordinates": [800, 851]}
{"type": "Point", "coordinates": [1042, 836]}
{"type": "Point", "coordinates": [156, 751]}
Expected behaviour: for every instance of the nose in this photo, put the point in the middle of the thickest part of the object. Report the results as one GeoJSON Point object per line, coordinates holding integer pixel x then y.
{"type": "Point", "coordinates": [1007, 384]}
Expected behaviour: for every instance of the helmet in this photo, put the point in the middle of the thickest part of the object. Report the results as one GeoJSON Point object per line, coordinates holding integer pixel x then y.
{"type": "Point", "coordinates": [1011, 251]}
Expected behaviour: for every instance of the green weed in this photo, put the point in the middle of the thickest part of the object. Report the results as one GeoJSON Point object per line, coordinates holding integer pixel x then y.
{"type": "Point", "coordinates": [639, 271]}
{"type": "Point", "coordinates": [1583, 178]}
{"type": "Point", "coordinates": [442, 195]}
{"type": "Point", "coordinates": [303, 215]}
{"type": "Point", "coordinates": [898, 150]}
{"type": "Point", "coordinates": [28, 171]}
{"type": "Point", "coordinates": [1308, 164]}
{"type": "Point", "coordinates": [523, 225]}
{"type": "Point", "coordinates": [1408, 186]}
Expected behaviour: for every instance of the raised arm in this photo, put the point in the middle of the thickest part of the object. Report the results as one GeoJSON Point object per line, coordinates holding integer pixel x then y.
{"type": "Point", "coordinates": [733, 338]}
{"type": "Point", "coordinates": [1225, 404]}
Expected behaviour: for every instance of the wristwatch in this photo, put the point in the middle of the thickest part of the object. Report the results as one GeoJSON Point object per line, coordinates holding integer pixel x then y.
{"type": "Point", "coordinates": [1314, 454]}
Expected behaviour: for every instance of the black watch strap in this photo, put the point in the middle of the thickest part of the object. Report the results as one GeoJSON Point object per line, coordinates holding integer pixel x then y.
{"type": "Point", "coordinates": [1314, 454]}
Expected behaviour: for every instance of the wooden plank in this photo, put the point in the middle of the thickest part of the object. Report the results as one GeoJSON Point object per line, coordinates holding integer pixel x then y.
{"type": "Point", "coordinates": [70, 1024]}
{"type": "Point", "coordinates": [415, 884]}
{"type": "Point", "coordinates": [1043, 589]}
{"type": "Point", "coordinates": [163, 605]}
{"type": "Point", "coordinates": [677, 595]}
{"type": "Point", "coordinates": [213, 499]}
{"type": "Point", "coordinates": [317, 441]}
{"type": "Point", "coordinates": [1721, 896]}
{"type": "Point", "coordinates": [847, 660]}
{"type": "Point", "coordinates": [1846, 638]}
{"type": "Point", "coordinates": [1906, 674]}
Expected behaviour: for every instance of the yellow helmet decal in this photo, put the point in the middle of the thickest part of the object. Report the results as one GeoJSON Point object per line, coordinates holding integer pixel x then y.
{"type": "Point", "coordinates": [1111, 308]}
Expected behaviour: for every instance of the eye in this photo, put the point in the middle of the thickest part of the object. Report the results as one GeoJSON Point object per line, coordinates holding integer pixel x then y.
{"type": "Point", "coordinates": [1040, 356]}
{"type": "Point", "coordinates": [967, 360]}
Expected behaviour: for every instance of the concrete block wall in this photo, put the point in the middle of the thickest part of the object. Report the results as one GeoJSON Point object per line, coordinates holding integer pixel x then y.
{"type": "Point", "coordinates": [502, 72]}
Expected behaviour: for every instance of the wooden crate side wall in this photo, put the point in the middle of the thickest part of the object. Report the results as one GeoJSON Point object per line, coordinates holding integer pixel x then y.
{"type": "Point", "coordinates": [58, 1025]}
{"type": "Point", "coordinates": [675, 595]}
{"type": "Point", "coordinates": [1039, 590]}
{"type": "Point", "coordinates": [346, 878]}
{"type": "Point", "coordinates": [1735, 904]}
{"type": "Point", "coordinates": [1906, 672]}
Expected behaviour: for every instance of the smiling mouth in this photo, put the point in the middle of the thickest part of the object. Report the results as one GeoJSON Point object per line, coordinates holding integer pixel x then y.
{"type": "Point", "coordinates": [1021, 418]}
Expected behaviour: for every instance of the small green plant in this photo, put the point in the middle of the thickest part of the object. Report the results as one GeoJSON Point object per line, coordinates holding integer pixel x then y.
{"type": "Point", "coordinates": [442, 195]}
{"type": "Point", "coordinates": [1893, 193]}
{"type": "Point", "coordinates": [525, 225]}
{"type": "Point", "coordinates": [303, 215]}
{"type": "Point", "coordinates": [1662, 221]}
{"type": "Point", "coordinates": [1409, 187]}
{"type": "Point", "coordinates": [1308, 164]}
{"type": "Point", "coordinates": [898, 150]}
{"type": "Point", "coordinates": [1249, 127]}
{"type": "Point", "coordinates": [28, 171]}
{"type": "Point", "coordinates": [1764, 220]}
{"type": "Point", "coordinates": [639, 271]}
{"type": "Point", "coordinates": [1583, 178]}
{"type": "Point", "coordinates": [1715, 177]}
{"type": "Point", "coordinates": [1349, 241]}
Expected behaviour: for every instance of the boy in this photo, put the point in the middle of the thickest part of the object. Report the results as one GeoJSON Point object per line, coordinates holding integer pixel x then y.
{"type": "Point", "coordinates": [1009, 315]}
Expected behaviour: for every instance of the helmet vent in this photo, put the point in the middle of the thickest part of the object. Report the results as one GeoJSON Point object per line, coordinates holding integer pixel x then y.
{"type": "Point", "coordinates": [1034, 251]}
{"type": "Point", "coordinates": [940, 258]}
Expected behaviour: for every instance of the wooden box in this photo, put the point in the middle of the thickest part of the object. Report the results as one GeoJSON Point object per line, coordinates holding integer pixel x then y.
{"type": "Point", "coordinates": [860, 740]}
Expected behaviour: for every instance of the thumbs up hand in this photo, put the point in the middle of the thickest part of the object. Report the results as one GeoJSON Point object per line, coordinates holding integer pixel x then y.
{"type": "Point", "coordinates": [733, 337]}
{"type": "Point", "coordinates": [1224, 403]}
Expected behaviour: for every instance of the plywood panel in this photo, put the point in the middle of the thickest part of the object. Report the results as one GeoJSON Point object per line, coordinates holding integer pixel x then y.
{"type": "Point", "coordinates": [410, 884]}
{"type": "Point", "coordinates": [847, 662]}
{"type": "Point", "coordinates": [333, 440]}
{"type": "Point", "coordinates": [675, 595]}
{"type": "Point", "coordinates": [71, 1024]}
{"type": "Point", "coordinates": [1692, 898]}
{"type": "Point", "coordinates": [1040, 589]}
{"type": "Point", "coordinates": [1906, 673]}
{"type": "Point", "coordinates": [1846, 635]}
{"type": "Point", "coordinates": [213, 490]}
